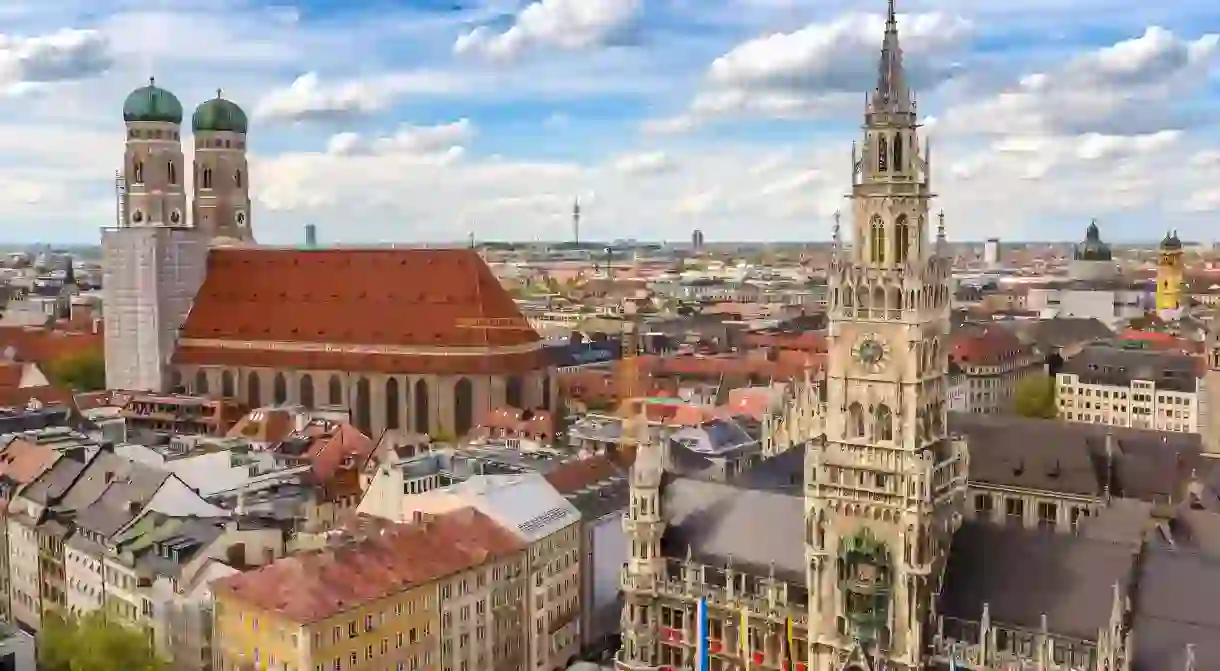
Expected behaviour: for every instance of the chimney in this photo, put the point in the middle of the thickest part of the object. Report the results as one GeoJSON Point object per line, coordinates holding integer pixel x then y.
{"type": "Point", "coordinates": [417, 516]}
{"type": "Point", "coordinates": [300, 418]}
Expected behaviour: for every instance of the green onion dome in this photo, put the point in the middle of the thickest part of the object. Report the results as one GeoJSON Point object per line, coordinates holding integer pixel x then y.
{"type": "Point", "coordinates": [152, 103]}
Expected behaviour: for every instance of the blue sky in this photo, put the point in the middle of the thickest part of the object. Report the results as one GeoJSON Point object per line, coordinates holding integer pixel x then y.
{"type": "Point", "coordinates": [421, 120]}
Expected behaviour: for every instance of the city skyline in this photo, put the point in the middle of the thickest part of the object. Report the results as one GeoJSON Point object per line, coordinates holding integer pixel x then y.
{"type": "Point", "coordinates": [734, 119]}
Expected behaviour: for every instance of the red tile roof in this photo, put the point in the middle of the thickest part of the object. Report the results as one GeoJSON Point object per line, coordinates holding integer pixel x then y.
{"type": "Point", "coordinates": [399, 297]}
{"type": "Point", "coordinates": [371, 560]}
{"type": "Point", "coordinates": [989, 345]}
{"type": "Point", "coordinates": [43, 345]}
{"type": "Point", "coordinates": [577, 474]}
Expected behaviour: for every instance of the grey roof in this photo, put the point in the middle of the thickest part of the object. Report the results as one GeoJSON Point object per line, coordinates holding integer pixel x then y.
{"type": "Point", "coordinates": [1176, 607]}
{"type": "Point", "coordinates": [104, 469]}
{"type": "Point", "coordinates": [1113, 366]}
{"type": "Point", "coordinates": [1072, 458]}
{"type": "Point", "coordinates": [1025, 574]}
{"type": "Point", "coordinates": [719, 523]}
{"type": "Point", "coordinates": [525, 502]}
{"type": "Point", "coordinates": [1051, 334]}
{"type": "Point", "coordinates": [177, 541]}
{"type": "Point", "coordinates": [54, 481]}
{"type": "Point", "coordinates": [122, 500]}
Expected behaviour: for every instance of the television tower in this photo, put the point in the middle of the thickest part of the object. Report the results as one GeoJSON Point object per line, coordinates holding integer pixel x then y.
{"type": "Point", "coordinates": [576, 221]}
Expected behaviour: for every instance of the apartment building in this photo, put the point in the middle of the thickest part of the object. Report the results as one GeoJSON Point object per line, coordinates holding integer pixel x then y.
{"type": "Point", "coordinates": [373, 598]}
{"type": "Point", "coordinates": [993, 362]}
{"type": "Point", "coordinates": [542, 519]}
{"type": "Point", "coordinates": [1135, 388]}
{"type": "Point", "coordinates": [20, 463]}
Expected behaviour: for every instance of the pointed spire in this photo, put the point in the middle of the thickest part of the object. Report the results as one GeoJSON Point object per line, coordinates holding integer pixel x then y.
{"type": "Point", "coordinates": [892, 94]}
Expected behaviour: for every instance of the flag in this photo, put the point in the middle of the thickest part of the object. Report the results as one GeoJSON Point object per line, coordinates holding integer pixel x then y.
{"type": "Point", "coordinates": [786, 645]}
{"type": "Point", "coordinates": [745, 638]}
{"type": "Point", "coordinates": [702, 633]}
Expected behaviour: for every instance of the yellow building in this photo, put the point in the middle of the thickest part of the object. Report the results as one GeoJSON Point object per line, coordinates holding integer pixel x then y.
{"type": "Point", "coordinates": [1169, 273]}
{"type": "Point", "coordinates": [370, 599]}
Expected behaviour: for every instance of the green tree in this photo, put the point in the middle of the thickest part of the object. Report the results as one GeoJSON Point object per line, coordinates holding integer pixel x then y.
{"type": "Point", "coordinates": [79, 371]}
{"type": "Point", "coordinates": [94, 643]}
{"type": "Point", "coordinates": [1036, 397]}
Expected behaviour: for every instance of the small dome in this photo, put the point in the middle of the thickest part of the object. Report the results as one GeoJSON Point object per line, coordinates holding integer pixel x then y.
{"type": "Point", "coordinates": [152, 103]}
{"type": "Point", "coordinates": [1093, 249]}
{"type": "Point", "coordinates": [219, 114]}
{"type": "Point", "coordinates": [1171, 243]}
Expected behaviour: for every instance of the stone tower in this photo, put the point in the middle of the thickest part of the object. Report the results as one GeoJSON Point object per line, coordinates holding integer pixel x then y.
{"type": "Point", "coordinates": [221, 206]}
{"type": "Point", "coordinates": [1169, 273]}
{"type": "Point", "coordinates": [1209, 387]}
{"type": "Point", "coordinates": [154, 263]}
{"type": "Point", "coordinates": [643, 525]}
{"type": "Point", "coordinates": [883, 496]}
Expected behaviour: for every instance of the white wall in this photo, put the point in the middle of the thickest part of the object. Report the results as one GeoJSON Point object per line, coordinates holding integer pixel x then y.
{"type": "Point", "coordinates": [609, 554]}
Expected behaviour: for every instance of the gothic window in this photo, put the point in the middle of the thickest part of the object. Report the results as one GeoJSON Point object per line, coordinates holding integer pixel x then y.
{"type": "Point", "coordinates": [305, 390]}
{"type": "Point", "coordinates": [513, 392]}
{"type": "Point", "coordinates": [463, 407]}
{"type": "Point", "coordinates": [207, 178]}
{"type": "Point", "coordinates": [226, 385]}
{"type": "Point", "coordinates": [254, 390]}
{"type": "Point", "coordinates": [421, 406]}
{"type": "Point", "coordinates": [847, 296]}
{"type": "Point", "coordinates": [902, 239]}
{"type": "Point", "coordinates": [882, 155]}
{"type": "Point", "coordinates": [877, 243]}
{"type": "Point", "coordinates": [364, 410]}
{"type": "Point", "coordinates": [138, 172]}
{"type": "Point", "coordinates": [237, 179]}
{"type": "Point", "coordinates": [546, 392]}
{"type": "Point", "coordinates": [855, 421]}
{"type": "Point", "coordinates": [280, 389]}
{"type": "Point", "coordinates": [898, 152]}
{"type": "Point", "coordinates": [201, 383]}
{"type": "Point", "coordinates": [392, 404]}
{"type": "Point", "coordinates": [335, 393]}
{"type": "Point", "coordinates": [172, 172]}
{"type": "Point", "coordinates": [884, 423]}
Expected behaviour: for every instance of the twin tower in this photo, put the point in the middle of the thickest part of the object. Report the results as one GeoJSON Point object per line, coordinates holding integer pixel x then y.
{"type": "Point", "coordinates": [154, 171]}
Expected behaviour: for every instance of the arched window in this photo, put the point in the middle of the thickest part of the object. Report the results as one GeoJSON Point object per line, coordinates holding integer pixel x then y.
{"type": "Point", "coordinates": [201, 383]}
{"type": "Point", "coordinates": [364, 411]}
{"type": "Point", "coordinates": [226, 385]}
{"type": "Point", "coordinates": [898, 152]}
{"type": "Point", "coordinates": [137, 172]}
{"type": "Point", "coordinates": [546, 392]}
{"type": "Point", "coordinates": [512, 392]}
{"type": "Point", "coordinates": [172, 172]}
{"type": "Point", "coordinates": [902, 239]}
{"type": "Point", "coordinates": [335, 393]}
{"type": "Point", "coordinates": [393, 404]}
{"type": "Point", "coordinates": [207, 178]}
{"type": "Point", "coordinates": [421, 406]}
{"type": "Point", "coordinates": [237, 179]}
{"type": "Point", "coordinates": [877, 241]}
{"type": "Point", "coordinates": [855, 421]}
{"type": "Point", "coordinates": [883, 158]}
{"type": "Point", "coordinates": [280, 389]}
{"type": "Point", "coordinates": [254, 390]}
{"type": "Point", "coordinates": [305, 390]}
{"type": "Point", "coordinates": [884, 428]}
{"type": "Point", "coordinates": [463, 407]}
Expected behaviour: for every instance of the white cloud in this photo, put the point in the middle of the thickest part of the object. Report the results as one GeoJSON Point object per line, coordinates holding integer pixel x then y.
{"type": "Point", "coordinates": [1127, 88]}
{"type": "Point", "coordinates": [309, 99]}
{"type": "Point", "coordinates": [646, 163]}
{"type": "Point", "coordinates": [819, 69]}
{"type": "Point", "coordinates": [444, 141]}
{"type": "Point", "coordinates": [65, 55]}
{"type": "Point", "coordinates": [563, 24]}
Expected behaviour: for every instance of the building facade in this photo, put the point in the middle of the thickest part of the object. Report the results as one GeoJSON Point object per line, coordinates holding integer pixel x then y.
{"type": "Point", "coordinates": [1135, 388]}
{"type": "Point", "coordinates": [993, 363]}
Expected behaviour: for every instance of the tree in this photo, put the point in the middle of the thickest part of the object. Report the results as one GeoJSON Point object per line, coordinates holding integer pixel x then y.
{"type": "Point", "coordinates": [1036, 397]}
{"type": "Point", "coordinates": [94, 643]}
{"type": "Point", "coordinates": [79, 371]}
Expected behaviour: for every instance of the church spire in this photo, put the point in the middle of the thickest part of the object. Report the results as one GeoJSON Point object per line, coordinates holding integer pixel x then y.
{"type": "Point", "coordinates": [892, 94]}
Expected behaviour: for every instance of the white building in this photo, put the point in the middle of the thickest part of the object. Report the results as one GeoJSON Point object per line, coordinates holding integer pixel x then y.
{"type": "Point", "coordinates": [1133, 388]}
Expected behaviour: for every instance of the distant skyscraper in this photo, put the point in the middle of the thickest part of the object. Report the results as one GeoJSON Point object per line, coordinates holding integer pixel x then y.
{"type": "Point", "coordinates": [311, 236]}
{"type": "Point", "coordinates": [991, 252]}
{"type": "Point", "coordinates": [576, 221]}
{"type": "Point", "coordinates": [696, 239]}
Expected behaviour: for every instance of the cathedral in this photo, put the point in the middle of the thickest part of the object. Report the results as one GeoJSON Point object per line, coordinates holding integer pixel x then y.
{"type": "Point", "coordinates": [418, 340]}
{"type": "Point", "coordinates": [908, 538]}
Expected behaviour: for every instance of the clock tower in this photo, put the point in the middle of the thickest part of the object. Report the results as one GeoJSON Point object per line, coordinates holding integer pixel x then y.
{"type": "Point", "coordinates": [884, 495]}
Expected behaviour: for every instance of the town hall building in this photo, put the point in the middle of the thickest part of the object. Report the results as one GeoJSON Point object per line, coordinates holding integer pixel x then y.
{"type": "Point", "coordinates": [907, 537]}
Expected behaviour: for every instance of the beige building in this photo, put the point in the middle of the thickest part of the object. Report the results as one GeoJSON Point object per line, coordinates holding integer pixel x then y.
{"type": "Point", "coordinates": [992, 362]}
{"type": "Point", "coordinates": [545, 521]}
{"type": "Point", "coordinates": [1136, 388]}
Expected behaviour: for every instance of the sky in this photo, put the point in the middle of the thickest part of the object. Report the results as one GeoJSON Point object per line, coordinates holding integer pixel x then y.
{"type": "Point", "coordinates": [424, 120]}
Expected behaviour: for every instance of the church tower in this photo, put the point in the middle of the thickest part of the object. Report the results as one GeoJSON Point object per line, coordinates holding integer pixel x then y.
{"type": "Point", "coordinates": [1209, 388]}
{"type": "Point", "coordinates": [153, 261]}
{"type": "Point", "coordinates": [221, 206]}
{"type": "Point", "coordinates": [884, 495]}
{"type": "Point", "coordinates": [1169, 273]}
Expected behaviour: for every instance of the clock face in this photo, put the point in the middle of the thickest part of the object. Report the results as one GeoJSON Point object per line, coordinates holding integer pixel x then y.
{"type": "Point", "coordinates": [871, 351]}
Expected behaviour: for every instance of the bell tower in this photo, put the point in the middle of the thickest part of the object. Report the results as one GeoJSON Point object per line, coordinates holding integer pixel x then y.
{"type": "Point", "coordinates": [883, 496]}
{"type": "Point", "coordinates": [221, 206]}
